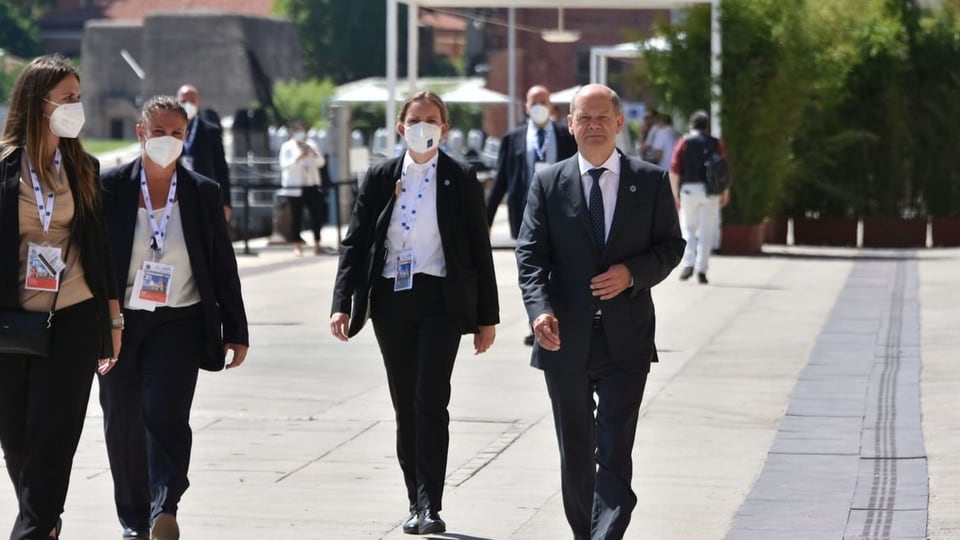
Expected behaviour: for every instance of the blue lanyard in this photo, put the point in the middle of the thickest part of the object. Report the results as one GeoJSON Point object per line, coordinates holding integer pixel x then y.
{"type": "Point", "coordinates": [44, 209]}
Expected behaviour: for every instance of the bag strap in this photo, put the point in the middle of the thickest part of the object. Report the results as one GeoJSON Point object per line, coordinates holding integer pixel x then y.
{"type": "Point", "coordinates": [53, 305]}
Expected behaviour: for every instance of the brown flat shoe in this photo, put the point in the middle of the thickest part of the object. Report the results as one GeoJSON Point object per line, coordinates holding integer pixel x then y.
{"type": "Point", "coordinates": [165, 528]}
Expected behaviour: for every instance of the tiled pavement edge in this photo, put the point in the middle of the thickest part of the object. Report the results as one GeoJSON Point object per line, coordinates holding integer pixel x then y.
{"type": "Point", "coordinates": [848, 460]}
{"type": "Point", "coordinates": [298, 443]}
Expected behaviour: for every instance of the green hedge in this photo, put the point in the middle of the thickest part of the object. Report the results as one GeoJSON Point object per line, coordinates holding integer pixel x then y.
{"type": "Point", "coordinates": [840, 108]}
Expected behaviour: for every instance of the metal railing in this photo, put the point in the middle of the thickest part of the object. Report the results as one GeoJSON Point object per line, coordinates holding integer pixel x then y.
{"type": "Point", "coordinates": [257, 179]}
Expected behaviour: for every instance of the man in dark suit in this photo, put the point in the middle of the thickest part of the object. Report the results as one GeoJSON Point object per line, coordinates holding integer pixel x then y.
{"type": "Point", "coordinates": [203, 147]}
{"type": "Point", "coordinates": [524, 150]}
{"type": "Point", "coordinates": [600, 229]}
{"type": "Point", "coordinates": [536, 144]}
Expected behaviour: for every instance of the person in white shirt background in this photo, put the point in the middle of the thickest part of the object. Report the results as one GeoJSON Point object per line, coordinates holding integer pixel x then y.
{"type": "Point", "coordinates": [664, 140]}
{"type": "Point", "coordinates": [300, 164]}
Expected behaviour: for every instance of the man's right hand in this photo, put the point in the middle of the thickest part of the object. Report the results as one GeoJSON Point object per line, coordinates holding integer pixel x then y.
{"type": "Point", "coordinates": [340, 325]}
{"type": "Point", "coordinates": [546, 328]}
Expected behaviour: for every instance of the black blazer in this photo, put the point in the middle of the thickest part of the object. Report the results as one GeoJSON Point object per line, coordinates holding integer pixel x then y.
{"type": "Point", "coordinates": [212, 259]}
{"type": "Point", "coordinates": [513, 174]}
{"type": "Point", "coordinates": [89, 235]}
{"type": "Point", "coordinates": [470, 289]}
{"type": "Point", "coordinates": [208, 156]}
{"type": "Point", "coordinates": [557, 255]}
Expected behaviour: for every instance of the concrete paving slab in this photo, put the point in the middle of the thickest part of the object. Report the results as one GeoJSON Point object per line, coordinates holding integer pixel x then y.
{"type": "Point", "coordinates": [299, 441]}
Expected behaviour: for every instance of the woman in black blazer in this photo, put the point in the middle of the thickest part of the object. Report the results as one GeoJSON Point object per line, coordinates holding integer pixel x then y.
{"type": "Point", "coordinates": [418, 248]}
{"type": "Point", "coordinates": [177, 278]}
{"type": "Point", "coordinates": [49, 200]}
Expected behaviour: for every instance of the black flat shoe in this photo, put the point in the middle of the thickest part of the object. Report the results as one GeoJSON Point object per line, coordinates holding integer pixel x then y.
{"type": "Point", "coordinates": [430, 523]}
{"type": "Point", "coordinates": [133, 533]}
{"type": "Point", "coordinates": [412, 524]}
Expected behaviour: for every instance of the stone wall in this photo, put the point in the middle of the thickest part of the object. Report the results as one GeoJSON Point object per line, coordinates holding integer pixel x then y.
{"type": "Point", "coordinates": [206, 49]}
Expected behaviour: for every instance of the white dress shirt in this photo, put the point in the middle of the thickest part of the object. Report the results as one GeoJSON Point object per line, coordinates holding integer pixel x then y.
{"type": "Point", "coordinates": [424, 234]}
{"type": "Point", "coordinates": [549, 144]}
{"type": "Point", "coordinates": [609, 184]}
{"type": "Point", "coordinates": [294, 174]}
{"type": "Point", "coordinates": [182, 291]}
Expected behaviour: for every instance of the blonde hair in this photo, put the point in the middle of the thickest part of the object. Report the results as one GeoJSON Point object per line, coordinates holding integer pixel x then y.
{"type": "Point", "coordinates": [26, 126]}
{"type": "Point", "coordinates": [423, 95]}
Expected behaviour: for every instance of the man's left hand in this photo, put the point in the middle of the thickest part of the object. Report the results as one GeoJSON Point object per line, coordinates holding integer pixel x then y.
{"type": "Point", "coordinates": [612, 282]}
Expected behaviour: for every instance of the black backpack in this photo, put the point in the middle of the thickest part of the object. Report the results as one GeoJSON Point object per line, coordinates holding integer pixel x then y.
{"type": "Point", "coordinates": [707, 163]}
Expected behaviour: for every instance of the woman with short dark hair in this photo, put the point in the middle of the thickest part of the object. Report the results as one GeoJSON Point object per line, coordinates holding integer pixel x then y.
{"type": "Point", "coordinates": [178, 281]}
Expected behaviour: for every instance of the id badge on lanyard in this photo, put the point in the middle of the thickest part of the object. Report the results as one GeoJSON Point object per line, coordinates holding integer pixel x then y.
{"type": "Point", "coordinates": [403, 280]}
{"type": "Point", "coordinates": [404, 277]}
{"type": "Point", "coordinates": [151, 286]}
{"type": "Point", "coordinates": [43, 268]}
{"type": "Point", "coordinates": [44, 262]}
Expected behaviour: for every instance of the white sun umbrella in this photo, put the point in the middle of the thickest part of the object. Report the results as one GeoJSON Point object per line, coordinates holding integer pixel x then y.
{"type": "Point", "coordinates": [474, 94]}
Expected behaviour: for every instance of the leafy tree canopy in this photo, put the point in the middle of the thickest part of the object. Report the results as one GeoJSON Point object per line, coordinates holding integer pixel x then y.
{"type": "Point", "coordinates": [342, 40]}
{"type": "Point", "coordinates": [18, 34]}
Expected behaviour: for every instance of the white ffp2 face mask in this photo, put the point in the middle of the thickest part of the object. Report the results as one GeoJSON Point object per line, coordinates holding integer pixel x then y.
{"type": "Point", "coordinates": [190, 109]}
{"type": "Point", "coordinates": [539, 114]}
{"type": "Point", "coordinates": [422, 137]}
{"type": "Point", "coordinates": [67, 120]}
{"type": "Point", "coordinates": [163, 150]}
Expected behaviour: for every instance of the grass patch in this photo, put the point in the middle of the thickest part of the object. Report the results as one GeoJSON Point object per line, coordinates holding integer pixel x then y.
{"type": "Point", "coordinates": [99, 146]}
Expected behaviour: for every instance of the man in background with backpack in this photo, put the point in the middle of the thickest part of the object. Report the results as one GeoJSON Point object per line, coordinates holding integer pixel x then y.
{"type": "Point", "coordinates": [701, 187]}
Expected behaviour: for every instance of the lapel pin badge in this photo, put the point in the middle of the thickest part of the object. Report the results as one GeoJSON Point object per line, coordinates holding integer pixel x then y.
{"type": "Point", "coordinates": [633, 189]}
{"type": "Point", "coordinates": [446, 182]}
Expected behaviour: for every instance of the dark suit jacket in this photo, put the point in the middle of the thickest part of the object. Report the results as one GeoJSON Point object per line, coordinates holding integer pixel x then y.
{"type": "Point", "coordinates": [208, 155]}
{"type": "Point", "coordinates": [212, 259]}
{"type": "Point", "coordinates": [89, 235]}
{"type": "Point", "coordinates": [470, 288]}
{"type": "Point", "coordinates": [513, 174]}
{"type": "Point", "coordinates": [557, 255]}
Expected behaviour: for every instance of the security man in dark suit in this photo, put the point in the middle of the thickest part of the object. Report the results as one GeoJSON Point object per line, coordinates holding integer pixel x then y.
{"type": "Point", "coordinates": [178, 281]}
{"type": "Point", "coordinates": [600, 229]}
{"type": "Point", "coordinates": [203, 148]}
{"type": "Point", "coordinates": [525, 150]}
{"type": "Point", "coordinates": [419, 250]}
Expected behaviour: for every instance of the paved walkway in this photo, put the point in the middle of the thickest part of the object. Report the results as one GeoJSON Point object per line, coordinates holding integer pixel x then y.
{"type": "Point", "coordinates": [803, 394]}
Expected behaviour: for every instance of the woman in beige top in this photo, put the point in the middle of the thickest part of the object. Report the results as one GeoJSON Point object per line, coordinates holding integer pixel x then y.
{"type": "Point", "coordinates": [49, 212]}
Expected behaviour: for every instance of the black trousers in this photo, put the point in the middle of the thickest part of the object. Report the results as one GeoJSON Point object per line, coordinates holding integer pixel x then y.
{"type": "Point", "coordinates": [43, 402]}
{"type": "Point", "coordinates": [146, 402]}
{"type": "Point", "coordinates": [596, 466]}
{"type": "Point", "coordinates": [313, 199]}
{"type": "Point", "coordinates": [418, 340]}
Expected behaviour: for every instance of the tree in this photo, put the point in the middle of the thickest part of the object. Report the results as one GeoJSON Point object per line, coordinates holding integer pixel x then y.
{"type": "Point", "coordinates": [342, 40]}
{"type": "Point", "coordinates": [18, 34]}
{"type": "Point", "coordinates": [303, 100]}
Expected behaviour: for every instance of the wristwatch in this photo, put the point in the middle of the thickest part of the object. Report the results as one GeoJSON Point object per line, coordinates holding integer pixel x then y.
{"type": "Point", "coordinates": [117, 323]}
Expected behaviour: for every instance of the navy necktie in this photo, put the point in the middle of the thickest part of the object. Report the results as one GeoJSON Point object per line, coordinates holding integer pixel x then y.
{"type": "Point", "coordinates": [541, 147]}
{"type": "Point", "coordinates": [596, 205]}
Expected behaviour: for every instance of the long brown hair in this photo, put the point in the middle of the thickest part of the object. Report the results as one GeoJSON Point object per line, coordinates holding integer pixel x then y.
{"type": "Point", "coordinates": [26, 125]}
